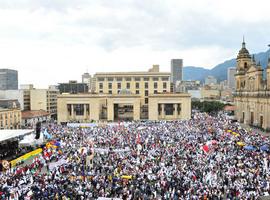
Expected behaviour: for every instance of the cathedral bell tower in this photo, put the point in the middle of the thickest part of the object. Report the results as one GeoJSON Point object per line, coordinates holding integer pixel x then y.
{"type": "Point", "coordinates": [268, 74]}
{"type": "Point", "coordinates": [244, 61]}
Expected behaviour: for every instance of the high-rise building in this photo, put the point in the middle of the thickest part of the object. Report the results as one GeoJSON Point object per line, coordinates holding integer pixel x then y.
{"type": "Point", "coordinates": [230, 77]}
{"type": "Point", "coordinates": [8, 79]}
{"type": "Point", "coordinates": [176, 70]}
{"type": "Point", "coordinates": [86, 78]}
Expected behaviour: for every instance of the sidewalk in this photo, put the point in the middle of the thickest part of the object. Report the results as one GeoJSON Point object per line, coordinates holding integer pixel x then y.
{"type": "Point", "coordinates": [247, 127]}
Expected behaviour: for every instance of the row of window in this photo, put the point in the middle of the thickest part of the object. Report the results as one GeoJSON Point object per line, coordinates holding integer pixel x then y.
{"type": "Point", "coordinates": [5, 122]}
{"type": "Point", "coordinates": [10, 115]}
{"type": "Point", "coordinates": [137, 85]}
{"type": "Point", "coordinates": [78, 109]}
{"type": "Point", "coordinates": [136, 92]}
{"type": "Point", "coordinates": [169, 109]}
{"type": "Point", "coordinates": [133, 78]}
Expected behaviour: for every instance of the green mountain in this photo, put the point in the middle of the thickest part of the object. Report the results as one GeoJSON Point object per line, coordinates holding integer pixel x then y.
{"type": "Point", "coordinates": [220, 70]}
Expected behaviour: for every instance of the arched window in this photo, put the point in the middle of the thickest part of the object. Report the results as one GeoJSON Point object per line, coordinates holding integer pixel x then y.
{"type": "Point", "coordinates": [245, 65]}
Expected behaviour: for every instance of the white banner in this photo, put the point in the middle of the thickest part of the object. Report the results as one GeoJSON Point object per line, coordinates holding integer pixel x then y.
{"type": "Point", "coordinates": [56, 164]}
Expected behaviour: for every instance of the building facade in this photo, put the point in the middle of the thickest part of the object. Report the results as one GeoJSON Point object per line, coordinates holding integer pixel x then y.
{"type": "Point", "coordinates": [210, 80]}
{"type": "Point", "coordinates": [31, 117]}
{"type": "Point", "coordinates": [89, 107]}
{"type": "Point", "coordinates": [8, 79]}
{"type": "Point", "coordinates": [44, 99]}
{"type": "Point", "coordinates": [126, 95]}
{"type": "Point", "coordinates": [142, 84]}
{"type": "Point", "coordinates": [252, 95]}
{"type": "Point", "coordinates": [10, 118]}
{"type": "Point", "coordinates": [13, 94]}
{"type": "Point", "coordinates": [231, 77]}
{"type": "Point", "coordinates": [73, 87]}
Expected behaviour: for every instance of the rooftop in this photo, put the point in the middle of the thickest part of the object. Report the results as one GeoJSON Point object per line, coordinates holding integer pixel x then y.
{"type": "Point", "coordinates": [34, 113]}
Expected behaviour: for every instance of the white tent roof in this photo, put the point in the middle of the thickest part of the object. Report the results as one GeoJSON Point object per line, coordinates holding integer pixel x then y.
{"type": "Point", "coordinates": [10, 134]}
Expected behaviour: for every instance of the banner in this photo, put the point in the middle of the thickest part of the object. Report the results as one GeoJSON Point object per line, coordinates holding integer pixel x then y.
{"type": "Point", "coordinates": [56, 164]}
{"type": "Point", "coordinates": [25, 157]}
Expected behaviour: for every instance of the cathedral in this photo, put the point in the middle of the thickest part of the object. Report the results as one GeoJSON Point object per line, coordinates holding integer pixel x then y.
{"type": "Point", "coordinates": [252, 95]}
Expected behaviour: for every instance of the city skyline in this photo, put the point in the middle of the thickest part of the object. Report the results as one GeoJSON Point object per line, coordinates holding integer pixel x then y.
{"type": "Point", "coordinates": [51, 42]}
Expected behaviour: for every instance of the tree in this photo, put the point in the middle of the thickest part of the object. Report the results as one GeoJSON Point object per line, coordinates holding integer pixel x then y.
{"type": "Point", "coordinates": [208, 106]}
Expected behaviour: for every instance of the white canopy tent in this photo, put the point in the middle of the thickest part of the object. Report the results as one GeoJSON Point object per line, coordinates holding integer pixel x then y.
{"type": "Point", "coordinates": [14, 134]}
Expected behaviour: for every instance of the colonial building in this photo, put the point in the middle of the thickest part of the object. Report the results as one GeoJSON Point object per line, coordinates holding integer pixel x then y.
{"type": "Point", "coordinates": [126, 95]}
{"type": "Point", "coordinates": [10, 118]}
{"type": "Point", "coordinates": [31, 117]}
{"type": "Point", "coordinates": [252, 96]}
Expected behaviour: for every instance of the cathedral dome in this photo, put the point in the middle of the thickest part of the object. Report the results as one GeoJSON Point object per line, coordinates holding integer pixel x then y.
{"type": "Point", "coordinates": [243, 52]}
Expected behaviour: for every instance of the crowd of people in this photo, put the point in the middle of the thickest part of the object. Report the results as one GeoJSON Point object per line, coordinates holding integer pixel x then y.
{"type": "Point", "coordinates": [201, 158]}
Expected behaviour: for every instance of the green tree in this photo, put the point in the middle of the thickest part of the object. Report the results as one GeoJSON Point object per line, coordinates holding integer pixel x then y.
{"type": "Point", "coordinates": [208, 106]}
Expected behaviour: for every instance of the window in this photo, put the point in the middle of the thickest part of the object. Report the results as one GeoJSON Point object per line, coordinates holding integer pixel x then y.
{"type": "Point", "coordinates": [69, 109]}
{"type": "Point", "coordinates": [146, 93]}
{"type": "Point", "coordinates": [101, 91]}
{"type": "Point", "coordinates": [155, 91]}
{"type": "Point", "coordinates": [168, 108]}
{"type": "Point", "coordinates": [146, 79]}
{"type": "Point", "coordinates": [118, 85]}
{"type": "Point", "coordinates": [146, 85]}
{"type": "Point", "coordinates": [110, 79]}
{"type": "Point", "coordinates": [128, 85]}
{"type": "Point", "coordinates": [101, 79]}
{"type": "Point", "coordinates": [128, 78]}
{"type": "Point", "coordinates": [79, 109]}
{"type": "Point", "coordinates": [110, 85]}
{"type": "Point", "coordinates": [155, 78]}
{"type": "Point", "coordinates": [165, 79]}
{"type": "Point", "coordinates": [137, 91]}
{"type": "Point", "coordinates": [164, 85]}
{"type": "Point", "coordinates": [155, 85]}
{"type": "Point", "coordinates": [137, 78]}
{"type": "Point", "coordinates": [118, 91]}
{"type": "Point", "coordinates": [137, 85]}
{"type": "Point", "coordinates": [100, 85]}
{"type": "Point", "coordinates": [146, 100]}
{"type": "Point", "coordinates": [164, 91]}
{"type": "Point", "coordinates": [110, 92]}
{"type": "Point", "coordinates": [119, 79]}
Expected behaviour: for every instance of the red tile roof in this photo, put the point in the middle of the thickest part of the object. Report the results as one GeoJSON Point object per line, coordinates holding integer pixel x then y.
{"type": "Point", "coordinates": [34, 113]}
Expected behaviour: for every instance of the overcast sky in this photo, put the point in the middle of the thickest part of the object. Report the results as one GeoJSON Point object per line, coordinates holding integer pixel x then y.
{"type": "Point", "coordinates": [52, 41]}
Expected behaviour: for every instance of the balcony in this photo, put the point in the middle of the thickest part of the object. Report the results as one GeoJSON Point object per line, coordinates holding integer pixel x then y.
{"type": "Point", "coordinates": [258, 93]}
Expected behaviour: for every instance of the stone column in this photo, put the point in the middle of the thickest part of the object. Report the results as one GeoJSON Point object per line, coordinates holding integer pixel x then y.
{"type": "Point", "coordinates": [84, 112]}
{"type": "Point", "coordinates": [175, 111]}
{"type": "Point", "coordinates": [162, 111]}
{"type": "Point", "coordinates": [110, 110]}
{"type": "Point", "coordinates": [72, 111]}
{"type": "Point", "coordinates": [136, 110]}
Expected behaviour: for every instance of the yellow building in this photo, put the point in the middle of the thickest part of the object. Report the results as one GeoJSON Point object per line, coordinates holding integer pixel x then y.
{"type": "Point", "coordinates": [126, 96]}
{"type": "Point", "coordinates": [208, 93]}
{"type": "Point", "coordinates": [252, 96]}
{"type": "Point", "coordinates": [44, 99]}
{"type": "Point", "coordinates": [10, 118]}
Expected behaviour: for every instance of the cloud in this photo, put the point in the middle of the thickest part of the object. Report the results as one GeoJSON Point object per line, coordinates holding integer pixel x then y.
{"type": "Point", "coordinates": [69, 36]}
